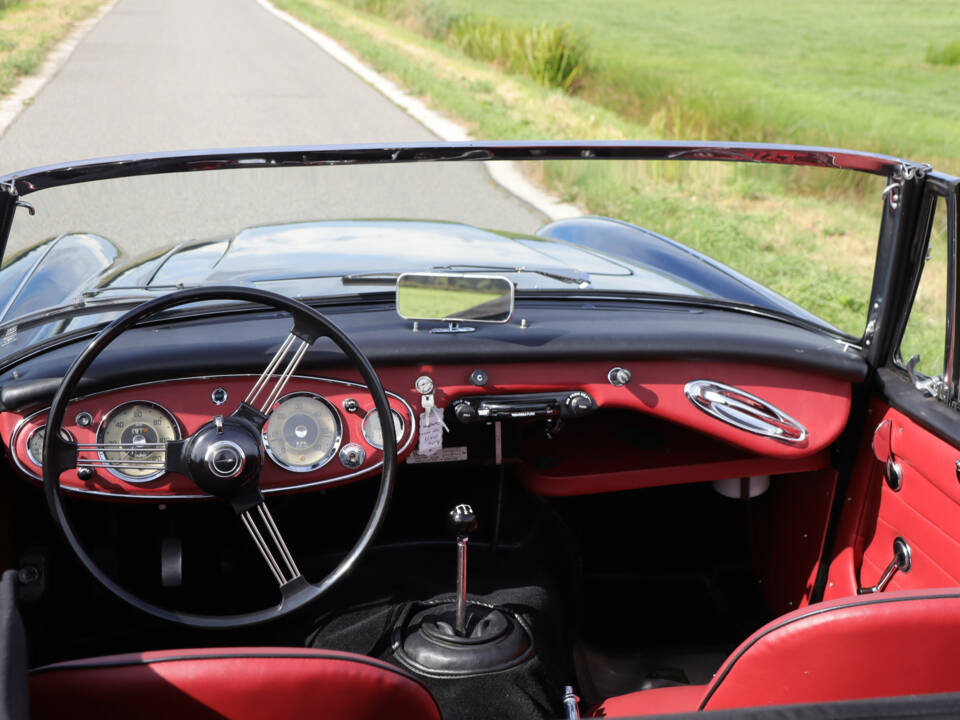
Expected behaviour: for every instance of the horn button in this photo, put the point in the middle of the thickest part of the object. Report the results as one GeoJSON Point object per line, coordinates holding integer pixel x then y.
{"type": "Point", "coordinates": [224, 459]}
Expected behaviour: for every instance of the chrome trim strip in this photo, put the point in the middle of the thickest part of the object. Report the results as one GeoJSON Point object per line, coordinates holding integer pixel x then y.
{"type": "Point", "coordinates": [744, 411]}
{"type": "Point", "coordinates": [204, 496]}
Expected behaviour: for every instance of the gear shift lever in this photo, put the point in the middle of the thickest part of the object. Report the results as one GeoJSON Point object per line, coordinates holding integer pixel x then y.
{"type": "Point", "coordinates": [460, 638]}
{"type": "Point", "coordinates": [462, 521]}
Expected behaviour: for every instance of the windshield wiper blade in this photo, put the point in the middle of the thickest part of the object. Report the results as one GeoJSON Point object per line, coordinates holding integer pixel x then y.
{"type": "Point", "coordinates": [567, 275]}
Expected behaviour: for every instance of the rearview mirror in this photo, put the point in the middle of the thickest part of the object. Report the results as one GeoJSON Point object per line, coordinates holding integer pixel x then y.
{"type": "Point", "coordinates": [454, 297]}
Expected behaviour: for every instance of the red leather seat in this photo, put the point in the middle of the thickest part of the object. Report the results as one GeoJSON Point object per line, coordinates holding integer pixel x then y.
{"type": "Point", "coordinates": [893, 643]}
{"type": "Point", "coordinates": [273, 683]}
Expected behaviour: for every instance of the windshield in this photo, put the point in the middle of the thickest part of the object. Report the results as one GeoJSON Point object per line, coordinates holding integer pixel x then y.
{"type": "Point", "coordinates": [798, 241]}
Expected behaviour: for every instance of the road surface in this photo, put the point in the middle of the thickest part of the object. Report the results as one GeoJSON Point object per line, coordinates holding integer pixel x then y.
{"type": "Point", "coordinates": [158, 75]}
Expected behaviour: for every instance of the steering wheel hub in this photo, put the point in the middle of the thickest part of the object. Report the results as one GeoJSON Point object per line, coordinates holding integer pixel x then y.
{"type": "Point", "coordinates": [222, 458]}
{"type": "Point", "coordinates": [225, 459]}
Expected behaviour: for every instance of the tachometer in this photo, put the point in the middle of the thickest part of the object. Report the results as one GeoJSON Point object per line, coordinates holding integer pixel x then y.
{"type": "Point", "coordinates": [133, 429]}
{"type": "Point", "coordinates": [302, 433]}
{"type": "Point", "coordinates": [374, 433]}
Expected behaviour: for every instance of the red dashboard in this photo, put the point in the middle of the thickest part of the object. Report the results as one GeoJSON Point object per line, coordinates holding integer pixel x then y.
{"type": "Point", "coordinates": [704, 447]}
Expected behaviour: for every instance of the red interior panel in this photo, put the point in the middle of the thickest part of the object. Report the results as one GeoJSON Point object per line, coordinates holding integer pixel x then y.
{"type": "Point", "coordinates": [925, 511]}
{"type": "Point", "coordinates": [819, 403]}
{"type": "Point", "coordinates": [190, 403]}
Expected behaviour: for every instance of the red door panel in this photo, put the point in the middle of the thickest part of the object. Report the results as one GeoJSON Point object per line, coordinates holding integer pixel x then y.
{"type": "Point", "coordinates": [924, 511]}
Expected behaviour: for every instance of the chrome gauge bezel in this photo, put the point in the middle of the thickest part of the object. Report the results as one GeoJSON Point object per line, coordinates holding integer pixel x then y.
{"type": "Point", "coordinates": [107, 416]}
{"type": "Point", "coordinates": [400, 434]}
{"type": "Point", "coordinates": [26, 445]}
{"type": "Point", "coordinates": [338, 438]}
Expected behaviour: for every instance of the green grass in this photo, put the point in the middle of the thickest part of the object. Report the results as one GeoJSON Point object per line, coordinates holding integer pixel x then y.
{"type": "Point", "coordinates": [814, 241]}
{"type": "Point", "coordinates": [816, 72]}
{"type": "Point", "coordinates": [29, 29]}
{"type": "Point", "coordinates": [947, 54]}
{"type": "Point", "coordinates": [848, 74]}
{"type": "Point", "coordinates": [439, 303]}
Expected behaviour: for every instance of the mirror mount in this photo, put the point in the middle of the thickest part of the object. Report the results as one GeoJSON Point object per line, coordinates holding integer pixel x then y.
{"type": "Point", "coordinates": [453, 326]}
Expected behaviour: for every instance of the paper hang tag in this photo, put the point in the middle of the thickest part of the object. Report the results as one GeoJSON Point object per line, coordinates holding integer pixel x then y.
{"type": "Point", "coordinates": [431, 431]}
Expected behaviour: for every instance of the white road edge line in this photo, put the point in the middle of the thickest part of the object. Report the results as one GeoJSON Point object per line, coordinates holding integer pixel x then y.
{"type": "Point", "coordinates": [30, 85]}
{"type": "Point", "coordinates": [504, 173]}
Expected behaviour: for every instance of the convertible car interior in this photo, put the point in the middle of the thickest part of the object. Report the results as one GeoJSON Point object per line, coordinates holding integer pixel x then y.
{"type": "Point", "coordinates": [514, 488]}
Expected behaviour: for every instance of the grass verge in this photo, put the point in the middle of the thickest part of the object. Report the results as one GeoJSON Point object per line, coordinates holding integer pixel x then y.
{"type": "Point", "coordinates": [29, 29]}
{"type": "Point", "coordinates": [816, 248]}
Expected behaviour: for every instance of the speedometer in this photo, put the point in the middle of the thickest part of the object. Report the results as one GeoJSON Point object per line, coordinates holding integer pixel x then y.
{"type": "Point", "coordinates": [128, 436]}
{"type": "Point", "coordinates": [302, 433]}
{"type": "Point", "coordinates": [374, 433]}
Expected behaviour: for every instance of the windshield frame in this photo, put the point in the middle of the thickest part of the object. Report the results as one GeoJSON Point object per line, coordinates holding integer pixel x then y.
{"type": "Point", "coordinates": [17, 185]}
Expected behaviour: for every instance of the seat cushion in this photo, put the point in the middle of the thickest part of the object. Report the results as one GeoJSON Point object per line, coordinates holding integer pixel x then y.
{"type": "Point", "coordinates": [882, 645]}
{"type": "Point", "coordinates": [658, 701]}
{"type": "Point", "coordinates": [237, 683]}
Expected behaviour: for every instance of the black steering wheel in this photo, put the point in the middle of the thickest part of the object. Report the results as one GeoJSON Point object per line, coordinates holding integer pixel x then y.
{"type": "Point", "coordinates": [223, 458]}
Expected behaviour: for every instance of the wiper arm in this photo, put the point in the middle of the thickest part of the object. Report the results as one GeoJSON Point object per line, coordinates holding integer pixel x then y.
{"type": "Point", "coordinates": [576, 277]}
{"type": "Point", "coordinates": [93, 292]}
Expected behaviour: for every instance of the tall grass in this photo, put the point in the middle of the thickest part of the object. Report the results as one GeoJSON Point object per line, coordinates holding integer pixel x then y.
{"type": "Point", "coordinates": [948, 54]}
{"type": "Point", "coordinates": [553, 55]}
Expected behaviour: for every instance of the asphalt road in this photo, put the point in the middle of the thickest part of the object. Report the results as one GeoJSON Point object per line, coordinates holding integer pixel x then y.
{"type": "Point", "coordinates": [158, 75]}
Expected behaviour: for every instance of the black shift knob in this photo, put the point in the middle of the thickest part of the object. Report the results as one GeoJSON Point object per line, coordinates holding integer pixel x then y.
{"type": "Point", "coordinates": [462, 521]}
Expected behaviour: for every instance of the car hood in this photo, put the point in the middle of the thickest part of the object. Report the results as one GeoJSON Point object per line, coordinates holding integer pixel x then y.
{"type": "Point", "coordinates": [325, 258]}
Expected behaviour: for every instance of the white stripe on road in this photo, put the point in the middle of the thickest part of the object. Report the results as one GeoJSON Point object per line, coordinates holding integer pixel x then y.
{"type": "Point", "coordinates": [505, 173]}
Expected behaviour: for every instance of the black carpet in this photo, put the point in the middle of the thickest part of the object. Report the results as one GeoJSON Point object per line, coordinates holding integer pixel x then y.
{"type": "Point", "coordinates": [364, 614]}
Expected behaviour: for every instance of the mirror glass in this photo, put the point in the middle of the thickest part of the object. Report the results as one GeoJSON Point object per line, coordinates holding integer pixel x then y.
{"type": "Point", "coordinates": [454, 297]}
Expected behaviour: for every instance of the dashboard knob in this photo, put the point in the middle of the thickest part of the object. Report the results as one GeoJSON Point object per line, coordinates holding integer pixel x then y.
{"type": "Point", "coordinates": [579, 404]}
{"type": "Point", "coordinates": [465, 412]}
{"type": "Point", "coordinates": [619, 376]}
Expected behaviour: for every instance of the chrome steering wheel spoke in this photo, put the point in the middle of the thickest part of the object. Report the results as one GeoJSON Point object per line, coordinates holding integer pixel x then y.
{"type": "Point", "coordinates": [299, 346]}
{"type": "Point", "coordinates": [273, 548]}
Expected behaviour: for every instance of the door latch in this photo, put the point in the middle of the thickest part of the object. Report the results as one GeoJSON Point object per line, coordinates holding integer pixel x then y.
{"type": "Point", "coordinates": [901, 561]}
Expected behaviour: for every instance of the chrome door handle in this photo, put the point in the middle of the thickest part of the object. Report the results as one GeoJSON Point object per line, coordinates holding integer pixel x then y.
{"type": "Point", "coordinates": [901, 561]}
{"type": "Point", "coordinates": [744, 411]}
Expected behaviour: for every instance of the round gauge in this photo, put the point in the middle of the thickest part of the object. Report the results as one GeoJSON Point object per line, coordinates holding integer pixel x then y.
{"type": "Point", "coordinates": [131, 425]}
{"type": "Point", "coordinates": [374, 433]}
{"type": "Point", "coordinates": [302, 433]}
{"type": "Point", "coordinates": [35, 443]}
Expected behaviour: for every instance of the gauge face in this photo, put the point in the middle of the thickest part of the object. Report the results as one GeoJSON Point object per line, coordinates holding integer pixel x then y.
{"type": "Point", "coordinates": [374, 433]}
{"type": "Point", "coordinates": [35, 443]}
{"type": "Point", "coordinates": [302, 433]}
{"type": "Point", "coordinates": [136, 424]}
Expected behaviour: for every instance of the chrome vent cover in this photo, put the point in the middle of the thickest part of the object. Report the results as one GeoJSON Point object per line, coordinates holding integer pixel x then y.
{"type": "Point", "coordinates": [744, 411]}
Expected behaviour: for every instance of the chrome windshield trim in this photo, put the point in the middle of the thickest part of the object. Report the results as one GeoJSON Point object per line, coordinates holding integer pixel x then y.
{"type": "Point", "coordinates": [48, 176]}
